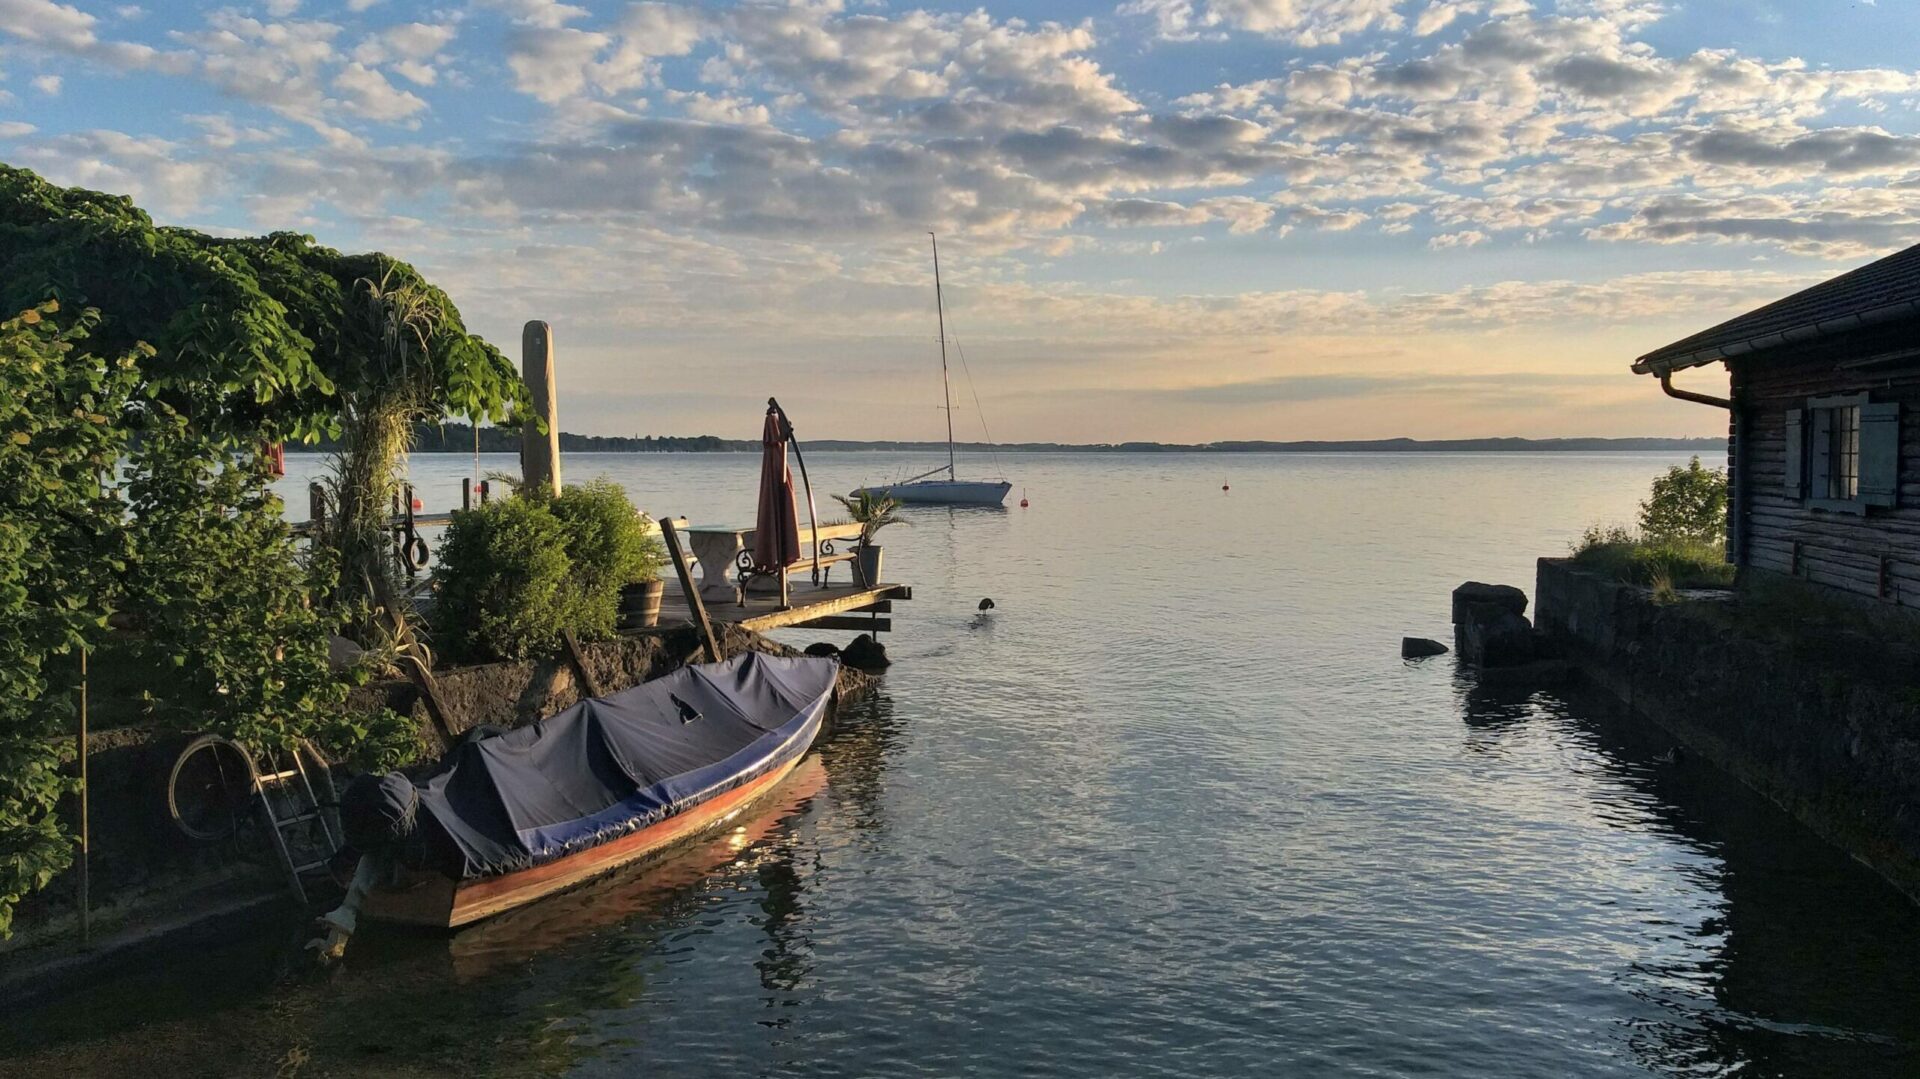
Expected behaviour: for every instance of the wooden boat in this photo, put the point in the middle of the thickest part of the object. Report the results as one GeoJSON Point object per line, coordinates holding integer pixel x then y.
{"type": "Point", "coordinates": [510, 819]}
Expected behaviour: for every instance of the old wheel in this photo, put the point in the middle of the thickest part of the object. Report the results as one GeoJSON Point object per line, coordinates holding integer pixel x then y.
{"type": "Point", "coordinates": [210, 788]}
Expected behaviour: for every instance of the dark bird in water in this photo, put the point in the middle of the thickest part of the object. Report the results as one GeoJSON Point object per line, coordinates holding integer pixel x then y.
{"type": "Point", "coordinates": [1671, 756]}
{"type": "Point", "coordinates": [986, 605]}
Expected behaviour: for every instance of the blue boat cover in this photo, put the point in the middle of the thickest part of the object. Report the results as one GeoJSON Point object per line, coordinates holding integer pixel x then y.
{"type": "Point", "coordinates": [615, 764]}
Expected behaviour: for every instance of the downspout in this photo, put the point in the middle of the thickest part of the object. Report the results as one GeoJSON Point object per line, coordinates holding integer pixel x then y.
{"type": "Point", "coordinates": [1737, 498]}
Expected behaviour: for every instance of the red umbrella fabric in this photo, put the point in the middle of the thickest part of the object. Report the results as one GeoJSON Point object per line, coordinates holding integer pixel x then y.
{"type": "Point", "coordinates": [776, 526]}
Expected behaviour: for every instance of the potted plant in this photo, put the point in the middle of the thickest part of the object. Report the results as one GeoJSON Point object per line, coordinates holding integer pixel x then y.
{"type": "Point", "coordinates": [872, 512]}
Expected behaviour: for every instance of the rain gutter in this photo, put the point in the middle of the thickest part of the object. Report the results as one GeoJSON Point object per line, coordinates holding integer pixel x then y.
{"type": "Point", "coordinates": [1794, 335]}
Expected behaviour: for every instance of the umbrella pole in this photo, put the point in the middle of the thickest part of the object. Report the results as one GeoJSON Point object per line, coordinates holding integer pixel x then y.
{"type": "Point", "coordinates": [813, 522]}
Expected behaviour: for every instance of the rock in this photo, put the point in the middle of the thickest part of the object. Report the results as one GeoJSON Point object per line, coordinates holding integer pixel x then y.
{"type": "Point", "coordinates": [866, 654]}
{"type": "Point", "coordinates": [823, 648]}
{"type": "Point", "coordinates": [342, 654]}
{"type": "Point", "coordinates": [1421, 647]}
{"type": "Point", "coordinates": [1504, 596]}
{"type": "Point", "coordinates": [1493, 636]}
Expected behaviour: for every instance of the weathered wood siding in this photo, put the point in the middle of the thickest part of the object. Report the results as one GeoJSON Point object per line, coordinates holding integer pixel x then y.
{"type": "Point", "coordinates": [1843, 550]}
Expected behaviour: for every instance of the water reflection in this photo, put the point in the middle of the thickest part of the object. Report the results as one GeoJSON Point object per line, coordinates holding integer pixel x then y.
{"type": "Point", "coordinates": [1791, 960]}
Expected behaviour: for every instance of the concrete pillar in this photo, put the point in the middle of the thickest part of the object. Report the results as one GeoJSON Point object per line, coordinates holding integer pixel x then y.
{"type": "Point", "coordinates": [540, 454]}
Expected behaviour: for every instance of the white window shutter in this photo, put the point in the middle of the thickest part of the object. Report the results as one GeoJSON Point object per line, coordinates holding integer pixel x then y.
{"type": "Point", "coordinates": [1880, 454]}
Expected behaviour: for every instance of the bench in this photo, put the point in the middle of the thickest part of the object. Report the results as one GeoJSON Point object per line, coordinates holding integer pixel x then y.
{"type": "Point", "coordinates": [725, 554]}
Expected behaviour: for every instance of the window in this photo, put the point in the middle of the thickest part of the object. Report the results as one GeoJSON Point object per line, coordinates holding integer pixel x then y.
{"type": "Point", "coordinates": [1843, 450]}
{"type": "Point", "coordinates": [1843, 453]}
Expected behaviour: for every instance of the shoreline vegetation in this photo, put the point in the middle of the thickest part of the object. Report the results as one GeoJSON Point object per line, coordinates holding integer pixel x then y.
{"type": "Point", "coordinates": [455, 437]}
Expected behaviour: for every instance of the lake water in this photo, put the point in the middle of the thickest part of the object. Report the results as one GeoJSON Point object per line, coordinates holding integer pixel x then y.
{"type": "Point", "coordinates": [1176, 807]}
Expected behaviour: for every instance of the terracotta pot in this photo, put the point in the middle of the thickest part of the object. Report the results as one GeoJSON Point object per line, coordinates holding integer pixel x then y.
{"type": "Point", "coordinates": [640, 604]}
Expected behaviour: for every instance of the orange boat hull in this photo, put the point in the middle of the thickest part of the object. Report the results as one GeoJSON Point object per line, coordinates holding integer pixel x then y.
{"type": "Point", "coordinates": [439, 901]}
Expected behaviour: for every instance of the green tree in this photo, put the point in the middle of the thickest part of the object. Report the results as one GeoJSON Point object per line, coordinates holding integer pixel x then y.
{"type": "Point", "coordinates": [1687, 506]}
{"type": "Point", "coordinates": [61, 549]}
{"type": "Point", "coordinates": [226, 605]}
{"type": "Point", "coordinates": [264, 338]}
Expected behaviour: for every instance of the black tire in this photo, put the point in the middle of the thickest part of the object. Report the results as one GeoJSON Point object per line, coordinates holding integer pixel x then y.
{"type": "Point", "coordinates": [210, 788]}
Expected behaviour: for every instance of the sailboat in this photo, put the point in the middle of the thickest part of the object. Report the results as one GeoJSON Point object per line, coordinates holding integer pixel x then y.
{"type": "Point", "coordinates": [927, 487]}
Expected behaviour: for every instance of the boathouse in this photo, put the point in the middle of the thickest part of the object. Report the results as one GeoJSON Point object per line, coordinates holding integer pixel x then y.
{"type": "Point", "coordinates": [1823, 436]}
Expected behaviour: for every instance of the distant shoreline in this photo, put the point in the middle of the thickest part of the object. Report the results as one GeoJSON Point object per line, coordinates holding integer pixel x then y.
{"type": "Point", "coordinates": [458, 438]}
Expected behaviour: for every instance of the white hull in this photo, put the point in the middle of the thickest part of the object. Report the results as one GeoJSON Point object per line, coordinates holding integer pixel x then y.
{"type": "Point", "coordinates": [946, 492]}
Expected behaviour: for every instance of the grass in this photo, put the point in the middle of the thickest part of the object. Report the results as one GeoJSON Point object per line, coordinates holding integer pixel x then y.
{"type": "Point", "coordinates": [1663, 566]}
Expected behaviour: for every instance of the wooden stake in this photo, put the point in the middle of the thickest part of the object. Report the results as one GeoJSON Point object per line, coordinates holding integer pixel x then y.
{"type": "Point", "coordinates": [694, 604]}
{"type": "Point", "coordinates": [579, 661]}
{"type": "Point", "coordinates": [540, 453]}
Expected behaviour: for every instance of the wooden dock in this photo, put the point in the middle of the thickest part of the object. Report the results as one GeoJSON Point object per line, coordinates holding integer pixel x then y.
{"type": "Point", "coordinates": [833, 606]}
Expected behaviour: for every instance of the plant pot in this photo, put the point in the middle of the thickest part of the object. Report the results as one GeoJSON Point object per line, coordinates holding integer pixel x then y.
{"type": "Point", "coordinates": [640, 604]}
{"type": "Point", "coordinates": [867, 560]}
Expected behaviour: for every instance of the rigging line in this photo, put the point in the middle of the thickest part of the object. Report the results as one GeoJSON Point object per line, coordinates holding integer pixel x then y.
{"type": "Point", "coordinates": [993, 451]}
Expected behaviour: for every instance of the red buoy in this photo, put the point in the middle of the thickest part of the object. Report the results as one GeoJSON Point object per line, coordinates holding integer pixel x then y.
{"type": "Point", "coordinates": [1224, 487]}
{"type": "Point", "coordinates": [1023, 499]}
{"type": "Point", "coordinates": [418, 505]}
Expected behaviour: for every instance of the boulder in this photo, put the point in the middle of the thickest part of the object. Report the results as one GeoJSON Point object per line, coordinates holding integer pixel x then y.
{"type": "Point", "coordinates": [822, 648]}
{"type": "Point", "coordinates": [1504, 596]}
{"type": "Point", "coordinates": [866, 654]}
{"type": "Point", "coordinates": [1420, 648]}
{"type": "Point", "coordinates": [1493, 636]}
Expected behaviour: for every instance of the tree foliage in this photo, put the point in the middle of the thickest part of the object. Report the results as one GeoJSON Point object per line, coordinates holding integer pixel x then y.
{"type": "Point", "coordinates": [1686, 506]}
{"type": "Point", "coordinates": [226, 605]}
{"type": "Point", "coordinates": [220, 344]}
{"type": "Point", "coordinates": [252, 336]}
{"type": "Point", "coordinates": [61, 550]}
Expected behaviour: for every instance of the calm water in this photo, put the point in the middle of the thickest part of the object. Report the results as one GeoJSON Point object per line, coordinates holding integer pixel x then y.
{"type": "Point", "coordinates": [1177, 807]}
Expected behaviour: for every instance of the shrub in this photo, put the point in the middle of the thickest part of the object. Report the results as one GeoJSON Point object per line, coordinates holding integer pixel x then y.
{"type": "Point", "coordinates": [1687, 506]}
{"type": "Point", "coordinates": [502, 582]}
{"type": "Point", "coordinates": [609, 546]}
{"type": "Point", "coordinates": [1662, 565]}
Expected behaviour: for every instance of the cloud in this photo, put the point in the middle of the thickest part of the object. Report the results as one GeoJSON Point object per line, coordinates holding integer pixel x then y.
{"type": "Point", "coordinates": [48, 85]}
{"type": "Point", "coordinates": [1307, 23]}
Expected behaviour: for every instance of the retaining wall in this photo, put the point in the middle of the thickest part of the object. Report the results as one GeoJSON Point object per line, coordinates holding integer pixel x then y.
{"type": "Point", "coordinates": [1834, 746]}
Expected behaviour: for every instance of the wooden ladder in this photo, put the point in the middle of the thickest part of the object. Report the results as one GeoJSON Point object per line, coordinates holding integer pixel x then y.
{"type": "Point", "coordinates": [299, 803]}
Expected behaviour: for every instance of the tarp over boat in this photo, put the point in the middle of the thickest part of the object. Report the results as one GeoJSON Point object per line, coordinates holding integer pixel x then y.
{"type": "Point", "coordinates": [614, 764]}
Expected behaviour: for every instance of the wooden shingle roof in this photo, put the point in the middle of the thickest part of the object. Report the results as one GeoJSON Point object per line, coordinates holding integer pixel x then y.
{"type": "Point", "coordinates": [1877, 292]}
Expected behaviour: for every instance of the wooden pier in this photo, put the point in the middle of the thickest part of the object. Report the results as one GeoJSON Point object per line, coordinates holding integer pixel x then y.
{"type": "Point", "coordinates": [832, 606]}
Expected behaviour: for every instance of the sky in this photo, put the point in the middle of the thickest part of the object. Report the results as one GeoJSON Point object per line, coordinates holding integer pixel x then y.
{"type": "Point", "coordinates": [1174, 220]}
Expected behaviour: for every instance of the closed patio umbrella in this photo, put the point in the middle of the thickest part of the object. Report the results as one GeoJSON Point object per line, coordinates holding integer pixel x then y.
{"type": "Point", "coordinates": [776, 524]}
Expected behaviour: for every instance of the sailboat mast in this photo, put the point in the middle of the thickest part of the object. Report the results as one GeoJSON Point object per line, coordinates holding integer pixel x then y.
{"type": "Point", "coordinates": [946, 383]}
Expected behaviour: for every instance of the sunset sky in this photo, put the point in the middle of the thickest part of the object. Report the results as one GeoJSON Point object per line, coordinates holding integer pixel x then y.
{"type": "Point", "coordinates": [1182, 220]}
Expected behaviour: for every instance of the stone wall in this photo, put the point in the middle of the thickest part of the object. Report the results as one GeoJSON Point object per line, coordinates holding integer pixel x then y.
{"type": "Point", "coordinates": [1837, 749]}
{"type": "Point", "coordinates": [141, 867]}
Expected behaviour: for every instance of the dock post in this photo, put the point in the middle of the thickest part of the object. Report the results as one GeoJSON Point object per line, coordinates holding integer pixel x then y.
{"type": "Point", "coordinates": [694, 603]}
{"type": "Point", "coordinates": [316, 503]}
{"type": "Point", "coordinates": [466, 493]}
{"type": "Point", "coordinates": [540, 453]}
